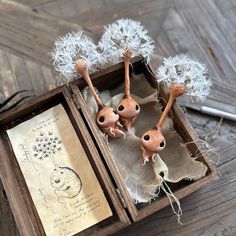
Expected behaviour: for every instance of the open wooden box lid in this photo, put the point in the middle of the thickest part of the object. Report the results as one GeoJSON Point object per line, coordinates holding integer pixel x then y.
{"type": "Point", "coordinates": [122, 206]}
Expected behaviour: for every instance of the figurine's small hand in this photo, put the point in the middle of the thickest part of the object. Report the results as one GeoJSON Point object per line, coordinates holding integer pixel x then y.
{"type": "Point", "coordinates": [119, 124]}
{"type": "Point", "coordinates": [115, 132]}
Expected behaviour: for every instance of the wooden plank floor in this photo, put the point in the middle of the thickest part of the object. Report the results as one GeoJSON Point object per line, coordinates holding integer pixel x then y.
{"type": "Point", "coordinates": [204, 29]}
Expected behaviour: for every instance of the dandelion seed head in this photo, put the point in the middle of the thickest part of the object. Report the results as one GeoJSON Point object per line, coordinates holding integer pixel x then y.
{"type": "Point", "coordinates": [71, 47]}
{"type": "Point", "coordinates": [183, 70]}
{"type": "Point", "coordinates": [123, 34]}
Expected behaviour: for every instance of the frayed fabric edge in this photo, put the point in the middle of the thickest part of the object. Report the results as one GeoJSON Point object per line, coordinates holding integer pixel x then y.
{"type": "Point", "coordinates": [171, 197]}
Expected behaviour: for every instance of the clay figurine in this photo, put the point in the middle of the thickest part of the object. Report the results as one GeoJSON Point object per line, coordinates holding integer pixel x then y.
{"type": "Point", "coordinates": [123, 39]}
{"type": "Point", "coordinates": [152, 140]}
{"type": "Point", "coordinates": [106, 118]}
{"type": "Point", "coordinates": [181, 75]}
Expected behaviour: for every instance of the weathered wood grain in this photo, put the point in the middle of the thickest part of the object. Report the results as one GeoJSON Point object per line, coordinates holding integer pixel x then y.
{"type": "Point", "coordinates": [28, 33]}
{"type": "Point", "coordinates": [7, 222]}
{"type": "Point", "coordinates": [104, 12]}
{"type": "Point", "coordinates": [20, 73]}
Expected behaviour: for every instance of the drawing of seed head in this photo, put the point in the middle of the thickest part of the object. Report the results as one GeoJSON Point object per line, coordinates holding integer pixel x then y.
{"type": "Point", "coordinates": [46, 144]}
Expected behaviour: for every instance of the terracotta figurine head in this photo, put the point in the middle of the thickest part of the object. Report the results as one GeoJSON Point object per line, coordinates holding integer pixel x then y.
{"type": "Point", "coordinates": [152, 142]}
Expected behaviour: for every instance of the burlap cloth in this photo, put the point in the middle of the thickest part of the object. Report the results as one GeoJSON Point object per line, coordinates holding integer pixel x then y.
{"type": "Point", "coordinates": [174, 162]}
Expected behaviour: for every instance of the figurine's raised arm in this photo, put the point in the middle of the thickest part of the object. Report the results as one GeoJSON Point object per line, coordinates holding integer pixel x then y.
{"type": "Point", "coordinates": [127, 58]}
{"type": "Point", "coordinates": [182, 75]}
{"type": "Point", "coordinates": [82, 68]}
{"type": "Point", "coordinates": [175, 91]}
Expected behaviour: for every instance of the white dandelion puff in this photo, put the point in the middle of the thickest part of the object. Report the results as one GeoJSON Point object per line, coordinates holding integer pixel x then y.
{"type": "Point", "coordinates": [183, 70]}
{"type": "Point", "coordinates": [123, 34]}
{"type": "Point", "coordinates": [71, 47]}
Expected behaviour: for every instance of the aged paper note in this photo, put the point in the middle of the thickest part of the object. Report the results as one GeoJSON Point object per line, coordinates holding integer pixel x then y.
{"type": "Point", "coordinates": [61, 181]}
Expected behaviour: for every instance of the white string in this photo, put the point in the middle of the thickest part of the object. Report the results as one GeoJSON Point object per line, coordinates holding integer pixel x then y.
{"type": "Point", "coordinates": [170, 195]}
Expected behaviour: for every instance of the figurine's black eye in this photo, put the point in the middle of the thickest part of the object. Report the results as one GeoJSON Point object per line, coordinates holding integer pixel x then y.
{"type": "Point", "coordinates": [146, 137]}
{"type": "Point", "coordinates": [101, 119]}
{"type": "Point", "coordinates": [162, 144]}
{"type": "Point", "coordinates": [121, 108]}
{"type": "Point", "coordinates": [57, 181]}
{"type": "Point", "coordinates": [137, 107]}
{"type": "Point", "coordinates": [115, 112]}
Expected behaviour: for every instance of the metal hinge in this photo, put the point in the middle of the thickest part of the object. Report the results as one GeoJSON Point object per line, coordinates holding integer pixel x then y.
{"type": "Point", "coordinates": [76, 101]}
{"type": "Point", "coordinates": [121, 198]}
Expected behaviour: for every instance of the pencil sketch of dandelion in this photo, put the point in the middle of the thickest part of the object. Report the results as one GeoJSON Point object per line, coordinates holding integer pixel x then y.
{"type": "Point", "coordinates": [46, 145]}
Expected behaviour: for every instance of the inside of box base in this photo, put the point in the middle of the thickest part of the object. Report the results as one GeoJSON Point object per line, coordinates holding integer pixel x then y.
{"type": "Point", "coordinates": [173, 166]}
{"type": "Point", "coordinates": [100, 222]}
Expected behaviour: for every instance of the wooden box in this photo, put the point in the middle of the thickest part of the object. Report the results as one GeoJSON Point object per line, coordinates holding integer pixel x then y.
{"type": "Point", "coordinates": [124, 211]}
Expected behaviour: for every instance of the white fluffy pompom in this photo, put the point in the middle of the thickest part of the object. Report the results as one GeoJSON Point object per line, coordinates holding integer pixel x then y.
{"type": "Point", "coordinates": [122, 34]}
{"type": "Point", "coordinates": [71, 47]}
{"type": "Point", "coordinates": [183, 70]}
